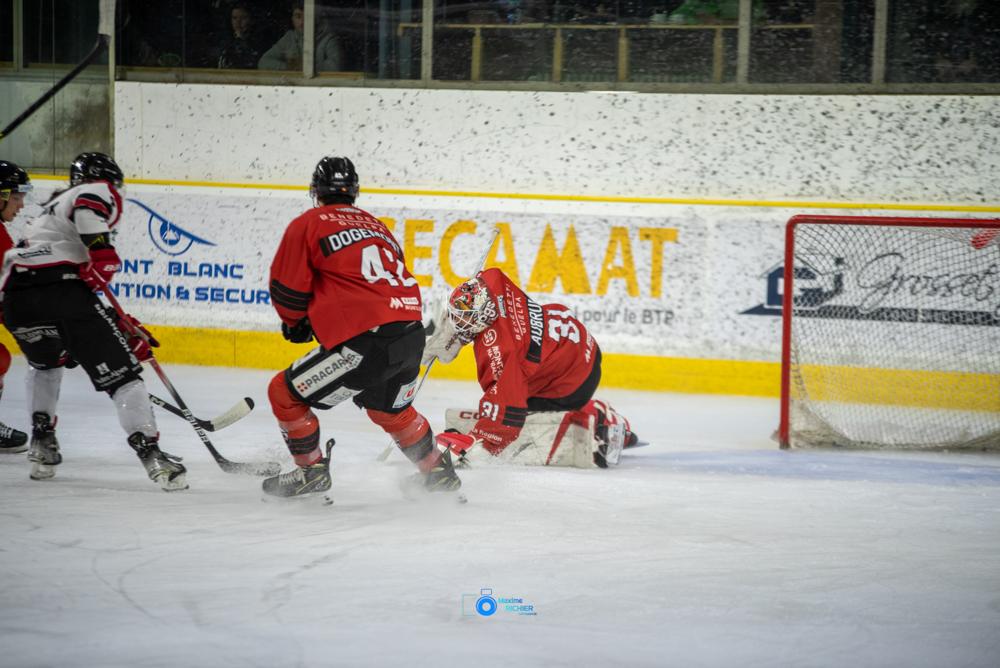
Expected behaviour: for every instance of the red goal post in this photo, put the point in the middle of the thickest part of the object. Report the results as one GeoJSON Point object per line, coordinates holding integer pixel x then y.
{"type": "Point", "coordinates": [891, 333]}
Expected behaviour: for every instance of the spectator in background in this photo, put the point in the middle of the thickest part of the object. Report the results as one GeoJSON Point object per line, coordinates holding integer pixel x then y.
{"type": "Point", "coordinates": [243, 48]}
{"type": "Point", "coordinates": [286, 54]}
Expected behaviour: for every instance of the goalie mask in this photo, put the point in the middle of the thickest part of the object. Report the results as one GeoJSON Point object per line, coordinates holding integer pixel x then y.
{"type": "Point", "coordinates": [471, 309]}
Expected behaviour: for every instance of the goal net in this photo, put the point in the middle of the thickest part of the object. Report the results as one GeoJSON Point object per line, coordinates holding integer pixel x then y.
{"type": "Point", "coordinates": [891, 333]}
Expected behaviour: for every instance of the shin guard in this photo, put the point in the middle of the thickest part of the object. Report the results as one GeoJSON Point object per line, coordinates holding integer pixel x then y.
{"type": "Point", "coordinates": [299, 425]}
{"type": "Point", "coordinates": [412, 434]}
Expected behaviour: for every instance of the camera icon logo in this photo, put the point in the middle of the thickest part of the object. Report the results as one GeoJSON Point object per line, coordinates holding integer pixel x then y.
{"type": "Point", "coordinates": [486, 605]}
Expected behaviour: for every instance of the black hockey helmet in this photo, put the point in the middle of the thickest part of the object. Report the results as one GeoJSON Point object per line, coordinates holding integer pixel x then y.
{"type": "Point", "coordinates": [95, 167]}
{"type": "Point", "coordinates": [334, 178]}
{"type": "Point", "coordinates": [13, 179]}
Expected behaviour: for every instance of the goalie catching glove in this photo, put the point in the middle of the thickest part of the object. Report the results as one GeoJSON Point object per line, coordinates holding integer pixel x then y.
{"type": "Point", "coordinates": [444, 343]}
{"type": "Point", "coordinates": [139, 339]}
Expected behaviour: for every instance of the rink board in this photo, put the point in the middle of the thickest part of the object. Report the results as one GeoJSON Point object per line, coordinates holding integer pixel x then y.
{"type": "Point", "coordinates": [681, 295]}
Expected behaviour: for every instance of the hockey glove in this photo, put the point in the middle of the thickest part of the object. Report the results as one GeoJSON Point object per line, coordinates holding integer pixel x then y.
{"type": "Point", "coordinates": [300, 332]}
{"type": "Point", "coordinates": [140, 341]}
{"type": "Point", "coordinates": [443, 343]}
{"type": "Point", "coordinates": [104, 262]}
{"type": "Point", "coordinates": [456, 442]}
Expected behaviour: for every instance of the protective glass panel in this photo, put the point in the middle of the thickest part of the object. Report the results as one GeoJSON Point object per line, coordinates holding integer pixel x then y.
{"type": "Point", "coordinates": [59, 32]}
{"type": "Point", "coordinates": [356, 39]}
{"type": "Point", "coordinates": [811, 41]}
{"type": "Point", "coordinates": [508, 40]}
{"type": "Point", "coordinates": [944, 41]}
{"type": "Point", "coordinates": [6, 33]}
{"type": "Point", "coordinates": [683, 52]}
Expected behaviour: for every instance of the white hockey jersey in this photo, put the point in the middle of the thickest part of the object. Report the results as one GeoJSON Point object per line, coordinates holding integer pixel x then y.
{"type": "Point", "coordinates": [53, 238]}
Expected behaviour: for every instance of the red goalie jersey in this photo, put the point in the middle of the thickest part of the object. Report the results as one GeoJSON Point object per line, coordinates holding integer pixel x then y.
{"type": "Point", "coordinates": [341, 267]}
{"type": "Point", "coordinates": [530, 351]}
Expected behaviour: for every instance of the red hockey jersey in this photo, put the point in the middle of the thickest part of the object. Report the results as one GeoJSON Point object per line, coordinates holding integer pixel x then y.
{"type": "Point", "coordinates": [342, 267]}
{"type": "Point", "coordinates": [6, 243]}
{"type": "Point", "coordinates": [530, 350]}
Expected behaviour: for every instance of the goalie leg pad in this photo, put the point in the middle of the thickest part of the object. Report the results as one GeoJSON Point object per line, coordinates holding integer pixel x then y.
{"type": "Point", "coordinates": [551, 438]}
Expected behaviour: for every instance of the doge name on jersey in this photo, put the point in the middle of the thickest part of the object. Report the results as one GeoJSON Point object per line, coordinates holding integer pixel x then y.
{"type": "Point", "coordinates": [332, 243]}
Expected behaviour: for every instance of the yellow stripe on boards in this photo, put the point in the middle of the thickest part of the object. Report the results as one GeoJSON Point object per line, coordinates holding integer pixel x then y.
{"type": "Point", "coordinates": [268, 350]}
{"type": "Point", "coordinates": [926, 389]}
{"type": "Point", "coordinates": [903, 387]}
{"type": "Point", "coordinates": [686, 201]}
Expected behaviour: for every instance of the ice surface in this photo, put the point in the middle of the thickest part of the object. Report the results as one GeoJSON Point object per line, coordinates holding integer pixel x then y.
{"type": "Point", "coordinates": [708, 548]}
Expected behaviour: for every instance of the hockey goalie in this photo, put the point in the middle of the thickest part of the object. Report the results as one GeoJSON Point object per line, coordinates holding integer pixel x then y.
{"type": "Point", "coordinates": [538, 367]}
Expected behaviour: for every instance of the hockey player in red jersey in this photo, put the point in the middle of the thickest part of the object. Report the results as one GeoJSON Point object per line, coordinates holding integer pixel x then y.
{"type": "Point", "coordinates": [14, 185]}
{"type": "Point", "coordinates": [530, 358]}
{"type": "Point", "coordinates": [339, 276]}
{"type": "Point", "coordinates": [50, 306]}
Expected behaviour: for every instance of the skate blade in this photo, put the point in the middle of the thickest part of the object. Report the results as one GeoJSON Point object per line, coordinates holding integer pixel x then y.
{"type": "Point", "coordinates": [14, 449]}
{"type": "Point", "coordinates": [317, 498]}
{"type": "Point", "coordinates": [414, 491]}
{"type": "Point", "coordinates": [42, 471]}
{"type": "Point", "coordinates": [178, 484]}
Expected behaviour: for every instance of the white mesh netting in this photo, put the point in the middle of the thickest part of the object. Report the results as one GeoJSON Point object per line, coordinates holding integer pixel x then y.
{"type": "Point", "coordinates": [895, 335]}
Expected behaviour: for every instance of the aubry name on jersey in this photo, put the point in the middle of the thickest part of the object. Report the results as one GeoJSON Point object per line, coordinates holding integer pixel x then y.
{"type": "Point", "coordinates": [332, 243]}
{"type": "Point", "coordinates": [536, 322]}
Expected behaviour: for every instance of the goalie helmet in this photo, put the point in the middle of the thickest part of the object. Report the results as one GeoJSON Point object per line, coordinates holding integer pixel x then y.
{"type": "Point", "coordinates": [13, 179]}
{"type": "Point", "coordinates": [95, 167]}
{"type": "Point", "coordinates": [471, 309]}
{"type": "Point", "coordinates": [334, 178]}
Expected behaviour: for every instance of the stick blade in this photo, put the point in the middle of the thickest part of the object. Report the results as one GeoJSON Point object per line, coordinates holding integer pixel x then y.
{"type": "Point", "coordinates": [234, 414]}
{"type": "Point", "coordinates": [259, 469]}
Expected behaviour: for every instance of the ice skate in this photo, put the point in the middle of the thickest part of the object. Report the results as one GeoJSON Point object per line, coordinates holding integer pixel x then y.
{"type": "Point", "coordinates": [439, 477]}
{"type": "Point", "coordinates": [12, 440]}
{"type": "Point", "coordinates": [44, 454]}
{"type": "Point", "coordinates": [442, 477]}
{"type": "Point", "coordinates": [302, 481]}
{"type": "Point", "coordinates": [162, 468]}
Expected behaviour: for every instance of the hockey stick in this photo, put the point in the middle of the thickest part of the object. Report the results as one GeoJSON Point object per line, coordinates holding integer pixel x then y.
{"type": "Point", "coordinates": [382, 456]}
{"type": "Point", "coordinates": [239, 411]}
{"type": "Point", "coordinates": [262, 469]}
{"type": "Point", "coordinates": [229, 466]}
{"type": "Point", "coordinates": [105, 28]}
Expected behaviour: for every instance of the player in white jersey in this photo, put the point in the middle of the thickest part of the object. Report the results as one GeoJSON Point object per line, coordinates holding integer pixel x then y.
{"type": "Point", "coordinates": [50, 306]}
